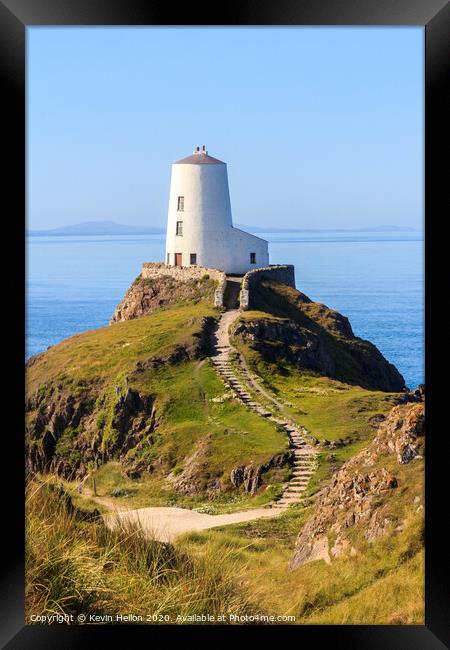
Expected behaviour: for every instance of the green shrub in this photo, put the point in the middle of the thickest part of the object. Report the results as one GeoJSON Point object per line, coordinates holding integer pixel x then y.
{"type": "Point", "coordinates": [65, 447]}
{"type": "Point", "coordinates": [101, 420]}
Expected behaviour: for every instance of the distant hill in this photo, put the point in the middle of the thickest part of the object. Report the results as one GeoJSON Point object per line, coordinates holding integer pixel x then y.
{"type": "Point", "coordinates": [98, 228]}
{"type": "Point", "coordinates": [113, 228]}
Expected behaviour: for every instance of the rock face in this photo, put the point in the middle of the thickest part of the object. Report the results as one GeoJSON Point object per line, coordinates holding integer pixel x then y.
{"type": "Point", "coordinates": [146, 295]}
{"type": "Point", "coordinates": [276, 339]}
{"type": "Point", "coordinates": [249, 476]}
{"type": "Point", "coordinates": [54, 443]}
{"type": "Point", "coordinates": [197, 477]}
{"type": "Point", "coordinates": [298, 331]}
{"type": "Point", "coordinates": [359, 493]}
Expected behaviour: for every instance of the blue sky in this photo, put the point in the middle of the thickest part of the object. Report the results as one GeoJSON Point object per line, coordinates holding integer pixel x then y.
{"type": "Point", "coordinates": [320, 127]}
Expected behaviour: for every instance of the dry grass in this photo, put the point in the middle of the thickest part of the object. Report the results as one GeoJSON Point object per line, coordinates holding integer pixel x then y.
{"type": "Point", "coordinates": [76, 566]}
{"type": "Point", "coordinates": [383, 584]}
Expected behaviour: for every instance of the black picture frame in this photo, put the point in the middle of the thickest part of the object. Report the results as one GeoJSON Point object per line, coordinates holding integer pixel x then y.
{"type": "Point", "coordinates": [15, 17]}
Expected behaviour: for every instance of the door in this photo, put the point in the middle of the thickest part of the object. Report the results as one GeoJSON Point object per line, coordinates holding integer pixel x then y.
{"type": "Point", "coordinates": [178, 259]}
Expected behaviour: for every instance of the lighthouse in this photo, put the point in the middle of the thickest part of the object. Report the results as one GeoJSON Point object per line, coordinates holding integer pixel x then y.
{"type": "Point", "coordinates": [200, 229]}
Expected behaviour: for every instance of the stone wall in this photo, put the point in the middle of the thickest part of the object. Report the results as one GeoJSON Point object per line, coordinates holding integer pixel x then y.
{"type": "Point", "coordinates": [185, 273]}
{"type": "Point", "coordinates": [283, 273]}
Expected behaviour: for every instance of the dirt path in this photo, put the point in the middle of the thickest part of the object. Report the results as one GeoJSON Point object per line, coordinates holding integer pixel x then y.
{"type": "Point", "coordinates": [165, 524]}
{"type": "Point", "coordinates": [107, 502]}
{"type": "Point", "coordinates": [221, 338]}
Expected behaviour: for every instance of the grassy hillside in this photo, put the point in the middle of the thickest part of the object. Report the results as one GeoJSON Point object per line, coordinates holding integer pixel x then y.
{"type": "Point", "coordinates": [75, 565]}
{"type": "Point", "coordinates": [347, 591]}
{"type": "Point", "coordinates": [342, 415]}
{"type": "Point", "coordinates": [382, 583]}
{"type": "Point", "coordinates": [189, 418]}
{"type": "Point", "coordinates": [99, 355]}
{"type": "Point", "coordinates": [285, 325]}
{"type": "Point", "coordinates": [137, 412]}
{"type": "Point", "coordinates": [333, 412]}
{"type": "Point", "coordinates": [139, 399]}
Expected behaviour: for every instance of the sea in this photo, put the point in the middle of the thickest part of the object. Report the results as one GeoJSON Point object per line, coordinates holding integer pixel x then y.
{"type": "Point", "coordinates": [376, 279]}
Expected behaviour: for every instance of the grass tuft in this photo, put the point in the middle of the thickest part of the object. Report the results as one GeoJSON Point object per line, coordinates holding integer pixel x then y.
{"type": "Point", "coordinates": [78, 566]}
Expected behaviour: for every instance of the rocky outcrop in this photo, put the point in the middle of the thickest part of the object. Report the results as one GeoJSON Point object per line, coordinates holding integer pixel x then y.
{"type": "Point", "coordinates": [66, 432]}
{"type": "Point", "coordinates": [147, 295]}
{"type": "Point", "coordinates": [298, 331]}
{"type": "Point", "coordinates": [196, 476]}
{"type": "Point", "coordinates": [401, 433]}
{"type": "Point", "coordinates": [250, 476]}
{"type": "Point", "coordinates": [358, 496]}
{"type": "Point", "coordinates": [51, 412]}
{"type": "Point", "coordinates": [246, 475]}
{"type": "Point", "coordinates": [200, 348]}
{"type": "Point", "coordinates": [285, 339]}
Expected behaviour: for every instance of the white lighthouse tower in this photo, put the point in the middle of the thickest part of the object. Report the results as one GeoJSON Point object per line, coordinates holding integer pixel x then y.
{"type": "Point", "coordinates": [200, 229]}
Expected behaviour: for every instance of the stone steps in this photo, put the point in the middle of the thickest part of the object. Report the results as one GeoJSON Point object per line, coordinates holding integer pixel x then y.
{"type": "Point", "coordinates": [284, 503]}
{"type": "Point", "coordinates": [239, 383]}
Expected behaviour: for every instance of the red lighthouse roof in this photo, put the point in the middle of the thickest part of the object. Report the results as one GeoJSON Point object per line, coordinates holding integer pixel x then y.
{"type": "Point", "coordinates": [199, 157]}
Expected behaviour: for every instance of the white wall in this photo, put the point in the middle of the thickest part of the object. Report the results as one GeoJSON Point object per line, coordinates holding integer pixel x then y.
{"type": "Point", "coordinates": [207, 221]}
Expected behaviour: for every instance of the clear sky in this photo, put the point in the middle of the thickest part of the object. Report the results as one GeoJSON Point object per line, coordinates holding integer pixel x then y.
{"type": "Point", "coordinates": [320, 127]}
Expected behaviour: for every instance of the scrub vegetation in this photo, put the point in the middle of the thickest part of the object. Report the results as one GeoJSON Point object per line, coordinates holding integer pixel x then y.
{"type": "Point", "coordinates": [75, 565]}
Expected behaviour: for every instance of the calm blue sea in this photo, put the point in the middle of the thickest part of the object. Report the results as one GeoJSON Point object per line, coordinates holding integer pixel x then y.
{"type": "Point", "coordinates": [376, 279]}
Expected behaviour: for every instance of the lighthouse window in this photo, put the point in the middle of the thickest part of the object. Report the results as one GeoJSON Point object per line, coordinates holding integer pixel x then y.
{"type": "Point", "coordinates": [252, 258]}
{"type": "Point", "coordinates": [179, 227]}
{"type": "Point", "coordinates": [181, 204]}
{"type": "Point", "coordinates": [193, 258]}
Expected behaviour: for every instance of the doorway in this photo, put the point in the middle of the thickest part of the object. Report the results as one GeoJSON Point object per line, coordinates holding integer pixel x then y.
{"type": "Point", "coordinates": [178, 259]}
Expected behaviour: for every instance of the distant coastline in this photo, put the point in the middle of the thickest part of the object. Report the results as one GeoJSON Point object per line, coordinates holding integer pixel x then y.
{"type": "Point", "coordinates": [112, 228]}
